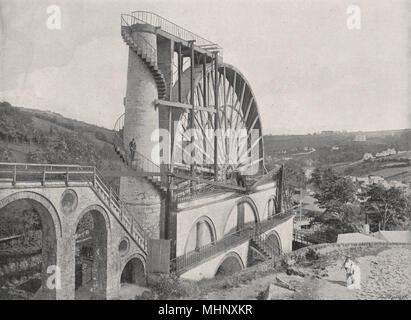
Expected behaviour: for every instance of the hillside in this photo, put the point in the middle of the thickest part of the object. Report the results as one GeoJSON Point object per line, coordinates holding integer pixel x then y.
{"type": "Point", "coordinates": [28, 135]}
{"type": "Point", "coordinates": [331, 148]}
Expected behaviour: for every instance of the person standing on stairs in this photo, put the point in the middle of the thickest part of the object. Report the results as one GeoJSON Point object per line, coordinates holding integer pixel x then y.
{"type": "Point", "coordinates": [133, 147]}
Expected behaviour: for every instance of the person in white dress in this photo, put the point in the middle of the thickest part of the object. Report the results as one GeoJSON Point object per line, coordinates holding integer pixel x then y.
{"type": "Point", "coordinates": [353, 274]}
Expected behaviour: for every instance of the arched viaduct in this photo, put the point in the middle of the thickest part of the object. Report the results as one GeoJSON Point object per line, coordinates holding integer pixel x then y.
{"type": "Point", "coordinates": [61, 209]}
{"type": "Point", "coordinates": [207, 224]}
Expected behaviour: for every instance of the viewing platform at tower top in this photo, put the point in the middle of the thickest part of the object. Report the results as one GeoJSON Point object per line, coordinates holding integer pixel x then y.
{"type": "Point", "coordinates": [172, 31]}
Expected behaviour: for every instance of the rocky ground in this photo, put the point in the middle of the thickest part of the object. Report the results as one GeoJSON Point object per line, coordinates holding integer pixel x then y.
{"type": "Point", "coordinates": [385, 275]}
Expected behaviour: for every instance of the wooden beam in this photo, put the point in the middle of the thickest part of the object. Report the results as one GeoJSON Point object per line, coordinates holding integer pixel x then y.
{"type": "Point", "coordinates": [265, 178]}
{"type": "Point", "coordinates": [129, 173]}
{"type": "Point", "coordinates": [172, 104]}
{"type": "Point", "coordinates": [216, 117]}
{"type": "Point", "coordinates": [192, 63]}
{"type": "Point", "coordinates": [180, 71]}
{"type": "Point", "coordinates": [185, 43]}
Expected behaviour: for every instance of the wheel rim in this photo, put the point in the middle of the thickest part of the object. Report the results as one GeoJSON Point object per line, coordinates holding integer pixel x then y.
{"type": "Point", "coordinates": [241, 148]}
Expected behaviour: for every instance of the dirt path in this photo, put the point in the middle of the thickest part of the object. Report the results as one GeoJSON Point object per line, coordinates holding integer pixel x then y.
{"type": "Point", "coordinates": [386, 275]}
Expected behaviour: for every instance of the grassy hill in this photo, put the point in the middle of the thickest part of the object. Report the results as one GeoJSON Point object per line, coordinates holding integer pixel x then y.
{"type": "Point", "coordinates": [28, 135]}
{"type": "Point", "coordinates": [336, 147]}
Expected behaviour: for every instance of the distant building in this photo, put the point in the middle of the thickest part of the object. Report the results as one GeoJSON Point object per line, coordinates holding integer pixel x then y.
{"type": "Point", "coordinates": [385, 153]}
{"type": "Point", "coordinates": [367, 156]}
{"type": "Point", "coordinates": [375, 179]}
{"type": "Point", "coordinates": [335, 148]}
{"type": "Point", "coordinates": [360, 138]}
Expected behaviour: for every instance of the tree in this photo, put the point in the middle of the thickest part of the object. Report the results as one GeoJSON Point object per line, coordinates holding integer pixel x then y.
{"type": "Point", "coordinates": [337, 195]}
{"type": "Point", "coordinates": [387, 207]}
{"type": "Point", "coordinates": [294, 180]}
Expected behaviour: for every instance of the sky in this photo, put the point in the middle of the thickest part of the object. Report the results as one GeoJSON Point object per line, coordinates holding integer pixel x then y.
{"type": "Point", "coordinates": [308, 71]}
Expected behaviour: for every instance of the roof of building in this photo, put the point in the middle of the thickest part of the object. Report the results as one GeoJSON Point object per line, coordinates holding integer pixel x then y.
{"type": "Point", "coordinates": [393, 236]}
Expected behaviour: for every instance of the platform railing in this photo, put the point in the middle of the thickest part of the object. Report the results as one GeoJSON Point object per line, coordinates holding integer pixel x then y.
{"type": "Point", "coordinates": [70, 174]}
{"type": "Point", "coordinates": [172, 28]}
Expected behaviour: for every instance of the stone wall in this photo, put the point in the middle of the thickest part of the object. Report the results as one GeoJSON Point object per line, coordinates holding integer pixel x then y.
{"type": "Point", "coordinates": [340, 248]}
{"type": "Point", "coordinates": [144, 201]}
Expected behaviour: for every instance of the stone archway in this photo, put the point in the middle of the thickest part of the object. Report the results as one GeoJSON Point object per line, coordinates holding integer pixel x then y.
{"type": "Point", "coordinates": [91, 254]}
{"type": "Point", "coordinates": [202, 233]}
{"type": "Point", "coordinates": [243, 215]}
{"type": "Point", "coordinates": [134, 272]}
{"type": "Point", "coordinates": [29, 226]}
{"type": "Point", "coordinates": [230, 264]}
{"type": "Point", "coordinates": [274, 241]}
{"type": "Point", "coordinates": [271, 207]}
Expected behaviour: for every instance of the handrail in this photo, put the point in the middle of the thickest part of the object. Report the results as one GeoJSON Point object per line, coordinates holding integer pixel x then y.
{"type": "Point", "coordinates": [119, 125]}
{"type": "Point", "coordinates": [88, 174]}
{"type": "Point", "coordinates": [46, 165]}
{"type": "Point", "coordinates": [171, 28]}
{"type": "Point", "coordinates": [142, 162]}
{"type": "Point", "coordinates": [250, 230]}
{"type": "Point", "coordinates": [146, 46]}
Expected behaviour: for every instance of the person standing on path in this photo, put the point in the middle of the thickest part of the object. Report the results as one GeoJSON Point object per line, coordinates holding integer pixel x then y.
{"type": "Point", "coordinates": [353, 274]}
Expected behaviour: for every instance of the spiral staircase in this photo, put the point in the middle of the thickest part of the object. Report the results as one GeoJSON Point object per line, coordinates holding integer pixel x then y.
{"type": "Point", "coordinates": [147, 54]}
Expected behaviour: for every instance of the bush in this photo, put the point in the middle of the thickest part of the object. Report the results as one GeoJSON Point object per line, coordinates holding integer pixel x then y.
{"type": "Point", "coordinates": [170, 286]}
{"type": "Point", "coordinates": [311, 255]}
{"type": "Point", "coordinates": [146, 295]}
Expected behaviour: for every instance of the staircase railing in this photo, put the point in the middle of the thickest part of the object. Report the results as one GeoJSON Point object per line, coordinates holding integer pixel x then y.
{"type": "Point", "coordinates": [250, 230]}
{"type": "Point", "coordinates": [127, 21]}
{"type": "Point", "coordinates": [265, 244]}
{"type": "Point", "coordinates": [119, 125]}
{"type": "Point", "coordinates": [190, 259]}
{"type": "Point", "coordinates": [141, 163]}
{"type": "Point", "coordinates": [25, 172]}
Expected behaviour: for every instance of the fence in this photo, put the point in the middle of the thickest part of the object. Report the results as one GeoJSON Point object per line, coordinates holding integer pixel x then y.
{"type": "Point", "coordinates": [249, 231]}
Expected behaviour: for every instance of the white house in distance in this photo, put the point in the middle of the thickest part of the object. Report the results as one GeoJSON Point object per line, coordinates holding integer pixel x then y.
{"type": "Point", "coordinates": [367, 156]}
{"type": "Point", "coordinates": [360, 137]}
{"type": "Point", "coordinates": [385, 153]}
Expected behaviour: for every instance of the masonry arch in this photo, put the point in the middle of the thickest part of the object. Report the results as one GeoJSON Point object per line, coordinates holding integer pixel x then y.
{"type": "Point", "coordinates": [274, 241]}
{"type": "Point", "coordinates": [271, 206]}
{"type": "Point", "coordinates": [202, 233]}
{"type": "Point", "coordinates": [243, 215]}
{"type": "Point", "coordinates": [91, 234]}
{"type": "Point", "coordinates": [230, 264]}
{"type": "Point", "coordinates": [134, 271]}
{"type": "Point", "coordinates": [29, 225]}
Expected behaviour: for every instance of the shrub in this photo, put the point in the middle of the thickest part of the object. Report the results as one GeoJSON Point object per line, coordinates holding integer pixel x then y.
{"type": "Point", "coordinates": [170, 286]}
{"type": "Point", "coordinates": [311, 255]}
